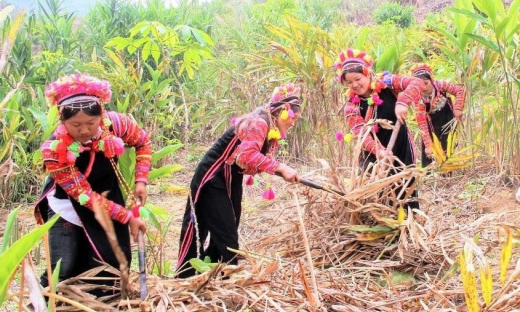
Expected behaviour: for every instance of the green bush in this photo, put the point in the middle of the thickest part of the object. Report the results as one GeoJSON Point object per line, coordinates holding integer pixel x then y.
{"type": "Point", "coordinates": [394, 12]}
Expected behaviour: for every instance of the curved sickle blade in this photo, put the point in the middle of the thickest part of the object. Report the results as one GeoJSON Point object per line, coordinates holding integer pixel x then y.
{"type": "Point", "coordinates": [317, 186]}
{"type": "Point", "coordinates": [142, 266]}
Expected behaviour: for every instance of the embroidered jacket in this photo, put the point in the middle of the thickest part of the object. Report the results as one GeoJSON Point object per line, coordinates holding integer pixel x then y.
{"type": "Point", "coordinates": [75, 183]}
{"type": "Point", "coordinates": [439, 97]}
{"type": "Point", "coordinates": [408, 90]}
{"type": "Point", "coordinates": [436, 102]}
{"type": "Point", "coordinates": [248, 155]}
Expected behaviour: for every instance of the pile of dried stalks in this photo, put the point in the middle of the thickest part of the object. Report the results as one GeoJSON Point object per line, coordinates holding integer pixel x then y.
{"type": "Point", "coordinates": [304, 253]}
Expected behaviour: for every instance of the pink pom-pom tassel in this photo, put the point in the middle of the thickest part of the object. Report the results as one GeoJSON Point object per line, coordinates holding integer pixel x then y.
{"type": "Point", "coordinates": [61, 129]}
{"type": "Point", "coordinates": [71, 157]}
{"type": "Point", "coordinates": [233, 121]}
{"type": "Point", "coordinates": [376, 99]}
{"type": "Point", "coordinates": [339, 136]}
{"type": "Point", "coordinates": [268, 194]}
{"type": "Point", "coordinates": [250, 180]}
{"type": "Point", "coordinates": [356, 100]}
{"type": "Point", "coordinates": [119, 146]}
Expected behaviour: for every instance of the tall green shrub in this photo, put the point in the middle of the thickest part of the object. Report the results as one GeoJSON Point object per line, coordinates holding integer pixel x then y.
{"type": "Point", "coordinates": [394, 12]}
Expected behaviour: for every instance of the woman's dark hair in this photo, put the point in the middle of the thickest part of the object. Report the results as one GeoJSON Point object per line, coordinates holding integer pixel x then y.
{"type": "Point", "coordinates": [72, 110]}
{"type": "Point", "coordinates": [352, 67]}
{"type": "Point", "coordinates": [292, 100]}
{"type": "Point", "coordinates": [423, 75]}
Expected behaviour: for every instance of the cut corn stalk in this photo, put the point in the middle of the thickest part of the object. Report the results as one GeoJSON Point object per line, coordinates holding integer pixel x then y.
{"type": "Point", "coordinates": [486, 280]}
{"type": "Point", "coordinates": [459, 160]}
{"type": "Point", "coordinates": [505, 255]}
{"type": "Point", "coordinates": [451, 139]}
{"type": "Point", "coordinates": [367, 237]}
{"type": "Point", "coordinates": [437, 150]}
{"type": "Point", "coordinates": [401, 214]}
{"type": "Point", "coordinates": [370, 229]}
{"type": "Point", "coordinates": [453, 129]}
{"type": "Point", "coordinates": [469, 283]}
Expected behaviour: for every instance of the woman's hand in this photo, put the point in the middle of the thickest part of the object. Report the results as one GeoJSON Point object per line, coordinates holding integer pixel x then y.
{"type": "Point", "coordinates": [136, 225]}
{"type": "Point", "coordinates": [140, 193]}
{"type": "Point", "coordinates": [457, 113]}
{"type": "Point", "coordinates": [428, 151]}
{"type": "Point", "coordinates": [401, 112]}
{"type": "Point", "coordinates": [288, 173]}
{"type": "Point", "coordinates": [383, 153]}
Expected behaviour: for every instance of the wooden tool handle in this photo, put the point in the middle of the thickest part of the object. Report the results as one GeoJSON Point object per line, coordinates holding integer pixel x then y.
{"type": "Point", "coordinates": [393, 138]}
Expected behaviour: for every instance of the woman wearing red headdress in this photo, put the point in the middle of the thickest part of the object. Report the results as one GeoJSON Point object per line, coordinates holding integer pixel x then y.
{"type": "Point", "coordinates": [436, 109]}
{"type": "Point", "coordinates": [214, 204]}
{"type": "Point", "coordinates": [80, 158]}
{"type": "Point", "coordinates": [385, 97]}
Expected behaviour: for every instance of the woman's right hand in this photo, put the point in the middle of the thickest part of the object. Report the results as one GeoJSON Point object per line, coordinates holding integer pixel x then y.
{"type": "Point", "coordinates": [401, 112]}
{"type": "Point", "coordinates": [383, 153]}
{"type": "Point", "coordinates": [428, 151]}
{"type": "Point", "coordinates": [288, 173]}
{"type": "Point", "coordinates": [136, 225]}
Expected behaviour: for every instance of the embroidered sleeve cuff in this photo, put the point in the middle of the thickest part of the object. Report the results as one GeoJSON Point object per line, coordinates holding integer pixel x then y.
{"type": "Point", "coordinates": [272, 168]}
{"type": "Point", "coordinates": [120, 213]}
{"type": "Point", "coordinates": [426, 138]}
{"type": "Point", "coordinates": [143, 180]}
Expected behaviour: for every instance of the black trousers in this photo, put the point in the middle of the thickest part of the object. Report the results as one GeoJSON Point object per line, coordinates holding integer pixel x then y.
{"type": "Point", "coordinates": [68, 243]}
{"type": "Point", "coordinates": [218, 216]}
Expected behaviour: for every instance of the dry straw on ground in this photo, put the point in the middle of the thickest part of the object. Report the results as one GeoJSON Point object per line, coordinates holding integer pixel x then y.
{"type": "Point", "coordinates": [304, 254]}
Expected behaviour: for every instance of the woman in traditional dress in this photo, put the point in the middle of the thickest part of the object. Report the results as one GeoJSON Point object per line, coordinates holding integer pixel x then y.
{"type": "Point", "coordinates": [214, 204]}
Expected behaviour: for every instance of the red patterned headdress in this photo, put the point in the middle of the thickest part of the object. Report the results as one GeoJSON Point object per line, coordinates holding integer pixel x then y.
{"type": "Point", "coordinates": [422, 70]}
{"type": "Point", "coordinates": [353, 59]}
{"type": "Point", "coordinates": [284, 92]}
{"type": "Point", "coordinates": [78, 85]}
{"type": "Point", "coordinates": [284, 98]}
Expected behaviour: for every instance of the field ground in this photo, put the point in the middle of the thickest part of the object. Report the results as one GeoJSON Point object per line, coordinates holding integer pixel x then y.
{"type": "Point", "coordinates": [451, 203]}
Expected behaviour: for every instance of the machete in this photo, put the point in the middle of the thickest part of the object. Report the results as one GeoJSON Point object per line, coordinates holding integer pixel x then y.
{"type": "Point", "coordinates": [316, 186]}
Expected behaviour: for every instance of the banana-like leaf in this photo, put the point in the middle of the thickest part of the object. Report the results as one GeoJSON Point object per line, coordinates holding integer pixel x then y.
{"type": "Point", "coordinates": [126, 164]}
{"type": "Point", "coordinates": [8, 228]}
{"type": "Point", "coordinates": [368, 237]}
{"type": "Point", "coordinates": [56, 276]}
{"type": "Point", "coordinates": [165, 151]}
{"type": "Point", "coordinates": [164, 171]}
{"type": "Point", "coordinates": [486, 42]}
{"type": "Point", "coordinates": [12, 257]}
{"type": "Point", "coordinates": [370, 229]}
{"type": "Point", "coordinates": [201, 266]}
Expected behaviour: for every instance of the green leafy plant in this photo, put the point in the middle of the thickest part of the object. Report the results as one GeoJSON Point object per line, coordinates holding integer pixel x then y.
{"type": "Point", "coordinates": [157, 40]}
{"type": "Point", "coordinates": [202, 266]}
{"type": "Point", "coordinates": [126, 163]}
{"type": "Point", "coordinates": [14, 255]}
{"type": "Point", "coordinates": [160, 220]}
{"type": "Point", "coordinates": [394, 12]}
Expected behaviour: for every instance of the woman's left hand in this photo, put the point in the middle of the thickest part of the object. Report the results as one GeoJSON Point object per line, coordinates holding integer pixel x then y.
{"type": "Point", "coordinates": [401, 112]}
{"type": "Point", "coordinates": [457, 113]}
{"type": "Point", "coordinates": [428, 151]}
{"type": "Point", "coordinates": [136, 225]}
{"type": "Point", "coordinates": [288, 173]}
{"type": "Point", "coordinates": [140, 193]}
